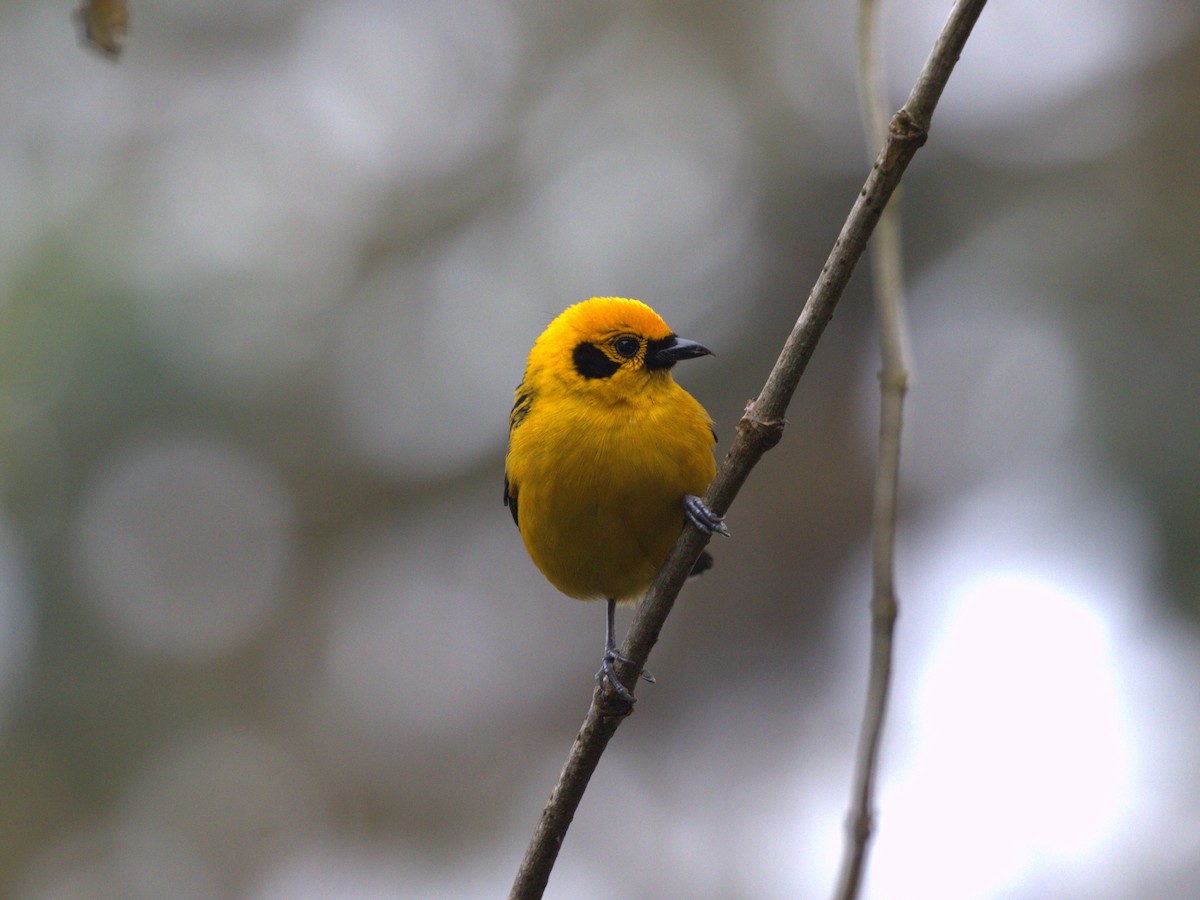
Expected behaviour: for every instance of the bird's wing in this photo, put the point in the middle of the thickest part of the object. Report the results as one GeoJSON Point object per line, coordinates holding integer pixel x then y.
{"type": "Point", "coordinates": [510, 499]}
{"type": "Point", "coordinates": [520, 410]}
{"type": "Point", "coordinates": [521, 407]}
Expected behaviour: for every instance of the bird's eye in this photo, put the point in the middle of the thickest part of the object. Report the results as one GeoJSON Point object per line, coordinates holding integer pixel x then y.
{"type": "Point", "coordinates": [627, 346]}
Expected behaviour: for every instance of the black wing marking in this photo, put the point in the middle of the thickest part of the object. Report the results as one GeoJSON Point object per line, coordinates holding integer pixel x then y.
{"type": "Point", "coordinates": [510, 500]}
{"type": "Point", "coordinates": [521, 407]}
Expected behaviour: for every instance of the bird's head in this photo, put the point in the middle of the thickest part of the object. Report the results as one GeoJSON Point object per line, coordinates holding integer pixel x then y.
{"type": "Point", "coordinates": [611, 346]}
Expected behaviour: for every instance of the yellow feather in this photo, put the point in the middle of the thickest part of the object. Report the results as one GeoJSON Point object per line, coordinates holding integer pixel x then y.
{"type": "Point", "coordinates": [598, 466]}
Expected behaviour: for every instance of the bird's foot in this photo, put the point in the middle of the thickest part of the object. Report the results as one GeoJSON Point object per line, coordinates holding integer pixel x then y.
{"type": "Point", "coordinates": [703, 517]}
{"type": "Point", "coordinates": [609, 673]}
{"type": "Point", "coordinates": [617, 701]}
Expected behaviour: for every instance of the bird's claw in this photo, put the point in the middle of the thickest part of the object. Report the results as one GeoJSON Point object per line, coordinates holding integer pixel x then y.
{"type": "Point", "coordinates": [703, 517]}
{"type": "Point", "coordinates": [609, 674]}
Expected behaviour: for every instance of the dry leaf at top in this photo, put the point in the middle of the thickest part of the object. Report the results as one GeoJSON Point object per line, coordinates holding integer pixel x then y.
{"type": "Point", "coordinates": [103, 24]}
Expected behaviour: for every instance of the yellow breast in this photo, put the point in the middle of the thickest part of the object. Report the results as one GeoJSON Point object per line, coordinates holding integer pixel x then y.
{"type": "Point", "coordinates": [601, 486]}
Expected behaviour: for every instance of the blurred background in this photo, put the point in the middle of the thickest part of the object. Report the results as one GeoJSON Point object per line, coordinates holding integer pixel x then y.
{"type": "Point", "coordinates": [266, 286]}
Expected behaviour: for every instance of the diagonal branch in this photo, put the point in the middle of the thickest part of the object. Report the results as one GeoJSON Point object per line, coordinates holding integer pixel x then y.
{"type": "Point", "coordinates": [760, 428]}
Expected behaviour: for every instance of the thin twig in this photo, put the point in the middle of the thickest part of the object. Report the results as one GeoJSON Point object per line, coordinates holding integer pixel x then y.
{"type": "Point", "coordinates": [888, 275]}
{"type": "Point", "coordinates": [760, 428]}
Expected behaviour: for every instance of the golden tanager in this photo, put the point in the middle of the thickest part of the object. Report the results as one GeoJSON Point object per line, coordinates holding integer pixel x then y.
{"type": "Point", "coordinates": [607, 456]}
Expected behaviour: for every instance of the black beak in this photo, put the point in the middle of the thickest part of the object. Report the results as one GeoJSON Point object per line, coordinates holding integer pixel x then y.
{"type": "Point", "coordinates": [665, 353]}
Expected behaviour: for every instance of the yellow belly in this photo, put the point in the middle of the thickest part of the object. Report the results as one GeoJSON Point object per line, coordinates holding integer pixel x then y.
{"type": "Point", "coordinates": [601, 497]}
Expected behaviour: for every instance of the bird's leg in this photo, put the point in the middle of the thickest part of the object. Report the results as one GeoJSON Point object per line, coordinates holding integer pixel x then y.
{"type": "Point", "coordinates": [611, 656]}
{"type": "Point", "coordinates": [703, 517]}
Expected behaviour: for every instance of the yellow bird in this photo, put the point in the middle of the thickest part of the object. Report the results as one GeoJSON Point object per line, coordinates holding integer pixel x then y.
{"type": "Point", "coordinates": [607, 455]}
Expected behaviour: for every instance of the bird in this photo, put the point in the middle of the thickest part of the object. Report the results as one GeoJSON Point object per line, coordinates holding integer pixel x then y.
{"type": "Point", "coordinates": [608, 457]}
